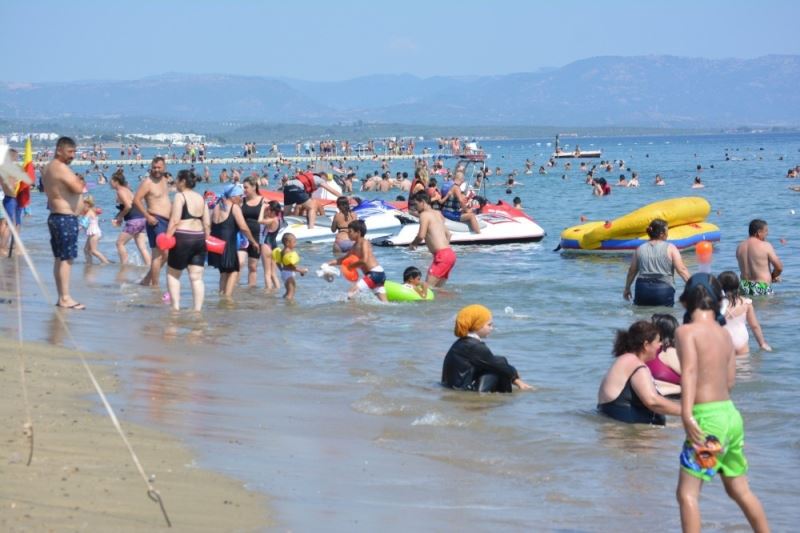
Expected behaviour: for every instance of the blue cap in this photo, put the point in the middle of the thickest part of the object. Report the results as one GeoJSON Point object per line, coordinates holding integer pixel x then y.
{"type": "Point", "coordinates": [233, 189]}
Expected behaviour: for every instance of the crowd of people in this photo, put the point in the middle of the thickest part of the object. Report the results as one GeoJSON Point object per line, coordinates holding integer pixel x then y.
{"type": "Point", "coordinates": [660, 368]}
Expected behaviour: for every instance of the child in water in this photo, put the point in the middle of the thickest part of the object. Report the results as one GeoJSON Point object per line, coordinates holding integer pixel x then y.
{"type": "Point", "coordinates": [93, 232]}
{"type": "Point", "coordinates": [288, 261]}
{"type": "Point", "coordinates": [412, 278]}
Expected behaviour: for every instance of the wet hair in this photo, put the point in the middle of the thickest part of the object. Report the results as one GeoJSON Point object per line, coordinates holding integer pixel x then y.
{"type": "Point", "coordinates": [400, 198]}
{"type": "Point", "coordinates": [252, 182]}
{"type": "Point", "coordinates": [188, 177]}
{"type": "Point", "coordinates": [343, 203]}
{"type": "Point", "coordinates": [702, 291]}
{"type": "Point", "coordinates": [287, 237]}
{"type": "Point", "coordinates": [65, 142]}
{"type": "Point", "coordinates": [756, 225]}
{"type": "Point", "coordinates": [632, 340]}
{"type": "Point", "coordinates": [359, 226]}
{"type": "Point", "coordinates": [411, 273]}
{"type": "Point", "coordinates": [666, 325]}
{"type": "Point", "coordinates": [657, 229]}
{"type": "Point", "coordinates": [421, 196]}
{"type": "Point", "coordinates": [405, 175]}
{"type": "Point", "coordinates": [119, 177]}
{"type": "Point", "coordinates": [729, 282]}
{"type": "Point", "coordinates": [517, 200]}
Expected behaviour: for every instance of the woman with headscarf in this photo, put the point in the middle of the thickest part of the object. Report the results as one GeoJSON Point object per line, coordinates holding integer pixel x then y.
{"type": "Point", "coordinates": [470, 364]}
{"type": "Point", "coordinates": [226, 223]}
{"type": "Point", "coordinates": [653, 266]}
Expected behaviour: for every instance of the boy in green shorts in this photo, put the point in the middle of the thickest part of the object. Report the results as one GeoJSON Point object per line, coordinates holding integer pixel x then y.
{"type": "Point", "coordinates": [714, 428]}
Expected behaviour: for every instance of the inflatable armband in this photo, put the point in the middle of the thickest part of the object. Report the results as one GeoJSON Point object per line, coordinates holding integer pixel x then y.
{"type": "Point", "coordinates": [350, 273]}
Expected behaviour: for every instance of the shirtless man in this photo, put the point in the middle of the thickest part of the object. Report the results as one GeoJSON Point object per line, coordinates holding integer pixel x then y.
{"type": "Point", "coordinates": [153, 192]}
{"type": "Point", "coordinates": [437, 237]}
{"type": "Point", "coordinates": [374, 276]}
{"type": "Point", "coordinates": [63, 189]}
{"type": "Point", "coordinates": [755, 256]}
{"type": "Point", "coordinates": [708, 373]}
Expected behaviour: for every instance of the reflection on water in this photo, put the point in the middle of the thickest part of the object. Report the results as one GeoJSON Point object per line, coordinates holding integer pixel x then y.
{"type": "Point", "coordinates": [334, 407]}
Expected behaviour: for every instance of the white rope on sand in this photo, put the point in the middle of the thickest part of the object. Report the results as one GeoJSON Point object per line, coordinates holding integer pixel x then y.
{"type": "Point", "coordinates": [152, 493]}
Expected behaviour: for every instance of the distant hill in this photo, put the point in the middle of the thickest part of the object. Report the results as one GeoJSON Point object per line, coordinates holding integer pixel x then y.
{"type": "Point", "coordinates": [645, 91]}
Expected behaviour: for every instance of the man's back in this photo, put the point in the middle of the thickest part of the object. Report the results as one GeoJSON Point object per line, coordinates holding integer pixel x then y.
{"type": "Point", "coordinates": [706, 351]}
{"type": "Point", "coordinates": [752, 255]}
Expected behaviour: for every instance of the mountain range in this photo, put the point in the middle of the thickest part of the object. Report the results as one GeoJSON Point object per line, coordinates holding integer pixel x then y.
{"type": "Point", "coordinates": [641, 91]}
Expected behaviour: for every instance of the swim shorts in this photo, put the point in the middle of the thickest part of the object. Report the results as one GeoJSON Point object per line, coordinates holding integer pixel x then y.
{"type": "Point", "coordinates": [755, 288]}
{"type": "Point", "coordinates": [373, 280]}
{"type": "Point", "coordinates": [443, 262]}
{"type": "Point", "coordinates": [63, 236]}
{"type": "Point", "coordinates": [13, 209]}
{"type": "Point", "coordinates": [292, 194]}
{"type": "Point", "coordinates": [455, 216]}
{"type": "Point", "coordinates": [135, 226]}
{"type": "Point", "coordinates": [158, 229]}
{"type": "Point", "coordinates": [286, 275]}
{"type": "Point", "coordinates": [189, 249]}
{"type": "Point", "coordinates": [722, 420]}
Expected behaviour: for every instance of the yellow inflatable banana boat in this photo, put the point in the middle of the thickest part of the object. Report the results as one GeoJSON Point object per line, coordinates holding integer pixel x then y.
{"type": "Point", "coordinates": [685, 217]}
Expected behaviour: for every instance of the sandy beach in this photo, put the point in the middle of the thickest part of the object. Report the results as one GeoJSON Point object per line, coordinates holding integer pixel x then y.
{"type": "Point", "coordinates": [82, 477]}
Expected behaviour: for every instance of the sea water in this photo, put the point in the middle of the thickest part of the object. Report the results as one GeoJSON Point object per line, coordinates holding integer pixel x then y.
{"type": "Point", "coordinates": [333, 408]}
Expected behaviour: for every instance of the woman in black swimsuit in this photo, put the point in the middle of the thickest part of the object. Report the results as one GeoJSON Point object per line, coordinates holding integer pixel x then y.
{"type": "Point", "coordinates": [252, 209]}
{"type": "Point", "coordinates": [272, 220]}
{"type": "Point", "coordinates": [628, 392]}
{"type": "Point", "coordinates": [226, 223]}
{"type": "Point", "coordinates": [190, 223]}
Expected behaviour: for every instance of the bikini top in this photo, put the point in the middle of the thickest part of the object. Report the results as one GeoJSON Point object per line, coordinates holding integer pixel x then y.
{"type": "Point", "coordinates": [185, 214]}
{"type": "Point", "coordinates": [346, 227]}
{"type": "Point", "coordinates": [662, 372]}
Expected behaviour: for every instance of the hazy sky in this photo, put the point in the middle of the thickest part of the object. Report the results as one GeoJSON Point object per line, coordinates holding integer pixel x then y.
{"type": "Point", "coordinates": [47, 40]}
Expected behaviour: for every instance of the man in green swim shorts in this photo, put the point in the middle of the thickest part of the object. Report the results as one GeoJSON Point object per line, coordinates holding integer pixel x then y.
{"type": "Point", "coordinates": [759, 265]}
{"type": "Point", "coordinates": [708, 372]}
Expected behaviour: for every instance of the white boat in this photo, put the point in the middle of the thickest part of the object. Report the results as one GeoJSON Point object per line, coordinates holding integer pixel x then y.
{"type": "Point", "coordinates": [577, 153]}
{"type": "Point", "coordinates": [499, 224]}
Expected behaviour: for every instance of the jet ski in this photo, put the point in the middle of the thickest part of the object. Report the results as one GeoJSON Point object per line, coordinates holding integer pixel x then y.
{"type": "Point", "coordinates": [499, 223]}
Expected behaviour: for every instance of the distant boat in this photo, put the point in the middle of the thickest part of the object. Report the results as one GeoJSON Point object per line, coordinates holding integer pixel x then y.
{"type": "Point", "coordinates": [577, 153]}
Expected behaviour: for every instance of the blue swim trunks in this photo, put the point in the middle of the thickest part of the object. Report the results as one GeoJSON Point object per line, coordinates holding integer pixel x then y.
{"type": "Point", "coordinates": [63, 236]}
{"type": "Point", "coordinates": [158, 229]}
{"type": "Point", "coordinates": [452, 215]}
{"type": "Point", "coordinates": [13, 209]}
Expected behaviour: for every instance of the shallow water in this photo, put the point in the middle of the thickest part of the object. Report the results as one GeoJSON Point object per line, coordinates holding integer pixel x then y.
{"type": "Point", "coordinates": [334, 408]}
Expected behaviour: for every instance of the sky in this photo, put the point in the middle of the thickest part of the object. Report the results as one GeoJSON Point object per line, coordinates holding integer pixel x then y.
{"type": "Point", "coordinates": [335, 40]}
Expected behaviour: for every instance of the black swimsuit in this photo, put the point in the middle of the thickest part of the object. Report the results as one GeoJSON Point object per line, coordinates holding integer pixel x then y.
{"type": "Point", "coordinates": [251, 214]}
{"type": "Point", "coordinates": [627, 407]}
{"type": "Point", "coordinates": [190, 245]}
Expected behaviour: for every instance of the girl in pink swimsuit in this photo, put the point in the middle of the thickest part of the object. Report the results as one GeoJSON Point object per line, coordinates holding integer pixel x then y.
{"type": "Point", "coordinates": [738, 314]}
{"type": "Point", "coordinates": [666, 367]}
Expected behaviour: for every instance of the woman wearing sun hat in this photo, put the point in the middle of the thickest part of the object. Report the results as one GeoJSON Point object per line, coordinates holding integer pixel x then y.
{"type": "Point", "coordinates": [470, 364]}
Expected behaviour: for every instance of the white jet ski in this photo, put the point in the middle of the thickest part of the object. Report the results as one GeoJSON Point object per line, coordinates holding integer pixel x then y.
{"type": "Point", "coordinates": [499, 224]}
{"type": "Point", "coordinates": [381, 221]}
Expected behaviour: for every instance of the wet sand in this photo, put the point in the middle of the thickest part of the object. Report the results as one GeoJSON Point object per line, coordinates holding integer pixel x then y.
{"type": "Point", "coordinates": [82, 476]}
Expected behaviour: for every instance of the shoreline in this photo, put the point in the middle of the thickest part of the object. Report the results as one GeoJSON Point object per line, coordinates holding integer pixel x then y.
{"type": "Point", "coordinates": [82, 476]}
